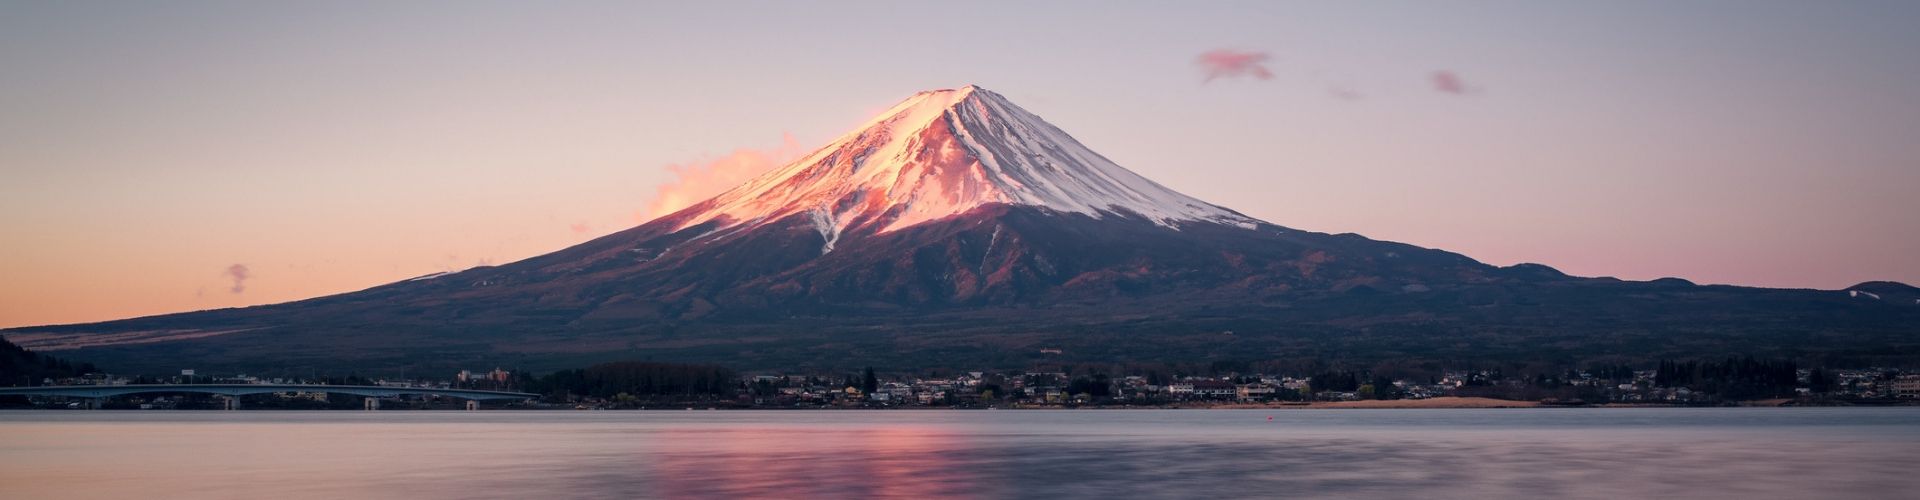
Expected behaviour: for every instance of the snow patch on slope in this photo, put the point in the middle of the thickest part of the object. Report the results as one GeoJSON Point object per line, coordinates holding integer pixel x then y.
{"type": "Point", "coordinates": [829, 230]}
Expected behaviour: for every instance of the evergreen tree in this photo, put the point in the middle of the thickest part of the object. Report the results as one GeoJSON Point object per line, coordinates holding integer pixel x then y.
{"type": "Point", "coordinates": [1819, 382]}
{"type": "Point", "coordinates": [1383, 388]}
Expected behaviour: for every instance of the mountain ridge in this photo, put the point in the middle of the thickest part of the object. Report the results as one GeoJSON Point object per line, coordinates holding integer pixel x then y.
{"type": "Point", "coordinates": [959, 229]}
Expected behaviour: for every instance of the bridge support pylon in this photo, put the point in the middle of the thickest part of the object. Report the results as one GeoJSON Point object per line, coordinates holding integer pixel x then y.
{"type": "Point", "coordinates": [473, 404]}
{"type": "Point", "coordinates": [94, 403]}
{"type": "Point", "coordinates": [233, 402]}
{"type": "Point", "coordinates": [373, 403]}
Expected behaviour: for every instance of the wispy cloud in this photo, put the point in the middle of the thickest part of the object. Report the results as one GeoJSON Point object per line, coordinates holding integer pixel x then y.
{"type": "Point", "coordinates": [1447, 82]}
{"type": "Point", "coordinates": [239, 274]}
{"type": "Point", "coordinates": [1345, 93]}
{"type": "Point", "coordinates": [579, 227]}
{"type": "Point", "coordinates": [695, 182]}
{"type": "Point", "coordinates": [1229, 63]}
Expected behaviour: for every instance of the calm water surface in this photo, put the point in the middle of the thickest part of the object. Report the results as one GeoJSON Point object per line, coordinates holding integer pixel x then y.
{"type": "Point", "coordinates": [1744, 453]}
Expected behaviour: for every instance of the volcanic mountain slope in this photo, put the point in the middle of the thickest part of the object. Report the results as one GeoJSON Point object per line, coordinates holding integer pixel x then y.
{"type": "Point", "coordinates": [958, 229]}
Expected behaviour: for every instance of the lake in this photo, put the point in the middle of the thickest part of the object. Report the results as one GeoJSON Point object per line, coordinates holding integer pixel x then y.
{"type": "Point", "coordinates": [1747, 453]}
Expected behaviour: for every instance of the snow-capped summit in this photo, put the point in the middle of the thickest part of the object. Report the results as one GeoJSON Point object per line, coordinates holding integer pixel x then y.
{"type": "Point", "coordinates": [941, 153]}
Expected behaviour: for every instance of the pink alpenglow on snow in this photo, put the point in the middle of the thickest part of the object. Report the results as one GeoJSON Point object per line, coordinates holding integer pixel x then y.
{"type": "Point", "coordinates": [1230, 63]}
{"type": "Point", "coordinates": [941, 153]}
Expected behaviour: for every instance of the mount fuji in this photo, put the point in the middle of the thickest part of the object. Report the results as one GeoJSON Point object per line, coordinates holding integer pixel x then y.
{"type": "Point", "coordinates": [959, 230]}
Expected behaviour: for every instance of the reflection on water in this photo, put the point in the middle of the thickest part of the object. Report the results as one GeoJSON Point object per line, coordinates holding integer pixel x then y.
{"type": "Point", "coordinates": [1576, 453]}
{"type": "Point", "coordinates": [900, 460]}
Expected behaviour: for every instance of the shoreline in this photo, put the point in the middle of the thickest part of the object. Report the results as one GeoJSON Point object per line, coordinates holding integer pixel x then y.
{"type": "Point", "coordinates": [1429, 403]}
{"type": "Point", "coordinates": [1437, 403]}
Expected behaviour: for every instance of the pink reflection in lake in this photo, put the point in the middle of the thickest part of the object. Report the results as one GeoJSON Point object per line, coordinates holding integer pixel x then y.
{"type": "Point", "coordinates": [888, 460]}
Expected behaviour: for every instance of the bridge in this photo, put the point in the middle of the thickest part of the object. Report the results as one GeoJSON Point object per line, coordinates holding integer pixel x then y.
{"type": "Point", "coordinates": [95, 393]}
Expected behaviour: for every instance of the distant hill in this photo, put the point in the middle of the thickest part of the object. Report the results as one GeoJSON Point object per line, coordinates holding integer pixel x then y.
{"type": "Point", "coordinates": [20, 367]}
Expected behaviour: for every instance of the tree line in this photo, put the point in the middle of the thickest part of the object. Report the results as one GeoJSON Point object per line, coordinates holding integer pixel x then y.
{"type": "Point", "coordinates": [637, 379]}
{"type": "Point", "coordinates": [1733, 378]}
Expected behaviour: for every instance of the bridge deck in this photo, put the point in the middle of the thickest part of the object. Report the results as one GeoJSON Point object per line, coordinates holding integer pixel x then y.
{"type": "Point", "coordinates": [106, 391]}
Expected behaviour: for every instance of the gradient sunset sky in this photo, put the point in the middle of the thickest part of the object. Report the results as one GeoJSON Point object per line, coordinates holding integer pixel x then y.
{"type": "Point", "coordinates": [170, 156]}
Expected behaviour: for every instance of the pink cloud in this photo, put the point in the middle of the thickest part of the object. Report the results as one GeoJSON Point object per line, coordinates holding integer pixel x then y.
{"type": "Point", "coordinates": [695, 182]}
{"type": "Point", "coordinates": [239, 274]}
{"type": "Point", "coordinates": [579, 227]}
{"type": "Point", "coordinates": [1446, 81]}
{"type": "Point", "coordinates": [1234, 64]}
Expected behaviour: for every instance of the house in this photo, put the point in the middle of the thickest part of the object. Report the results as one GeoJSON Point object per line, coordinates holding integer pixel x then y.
{"type": "Point", "coordinates": [1214, 389]}
{"type": "Point", "coordinates": [1907, 386]}
{"type": "Point", "coordinates": [896, 390]}
{"type": "Point", "coordinates": [1250, 392]}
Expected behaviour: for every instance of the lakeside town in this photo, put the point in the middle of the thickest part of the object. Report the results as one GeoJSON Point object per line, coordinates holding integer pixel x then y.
{"type": "Point", "coordinates": [672, 386]}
